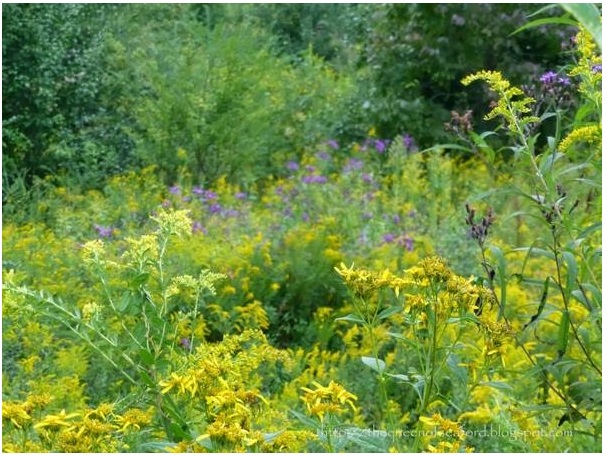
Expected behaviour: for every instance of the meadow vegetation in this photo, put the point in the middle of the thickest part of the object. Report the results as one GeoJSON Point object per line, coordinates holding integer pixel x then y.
{"type": "Point", "coordinates": [301, 228]}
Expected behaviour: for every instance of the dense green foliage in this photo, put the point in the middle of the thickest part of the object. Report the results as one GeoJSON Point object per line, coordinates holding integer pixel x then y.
{"type": "Point", "coordinates": [92, 89]}
{"type": "Point", "coordinates": [301, 228]}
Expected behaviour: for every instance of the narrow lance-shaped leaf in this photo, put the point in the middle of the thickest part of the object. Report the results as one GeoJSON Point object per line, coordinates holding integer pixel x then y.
{"type": "Point", "coordinates": [540, 308]}
{"type": "Point", "coordinates": [572, 271]}
{"type": "Point", "coordinates": [563, 335]}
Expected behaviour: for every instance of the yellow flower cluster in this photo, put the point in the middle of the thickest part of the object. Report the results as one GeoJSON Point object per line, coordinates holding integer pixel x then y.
{"type": "Point", "coordinates": [365, 282]}
{"type": "Point", "coordinates": [589, 59]}
{"type": "Point", "coordinates": [223, 376]}
{"type": "Point", "coordinates": [133, 419]}
{"type": "Point", "coordinates": [142, 251]}
{"type": "Point", "coordinates": [509, 106]}
{"type": "Point", "coordinates": [174, 223]}
{"type": "Point", "coordinates": [205, 281]}
{"type": "Point", "coordinates": [90, 430]}
{"type": "Point", "coordinates": [328, 400]}
{"type": "Point", "coordinates": [449, 434]}
{"type": "Point", "coordinates": [93, 252]}
{"type": "Point", "coordinates": [590, 135]}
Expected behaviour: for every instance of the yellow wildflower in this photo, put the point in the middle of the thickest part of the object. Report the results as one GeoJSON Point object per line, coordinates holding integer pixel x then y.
{"type": "Point", "coordinates": [38, 400]}
{"type": "Point", "coordinates": [446, 426]}
{"type": "Point", "coordinates": [134, 418]}
{"type": "Point", "coordinates": [481, 415]}
{"type": "Point", "coordinates": [90, 310]}
{"type": "Point", "coordinates": [29, 363]}
{"type": "Point", "coordinates": [591, 134]}
{"type": "Point", "coordinates": [330, 399]}
{"type": "Point", "coordinates": [15, 413]}
{"type": "Point", "coordinates": [364, 282]}
{"type": "Point", "coordinates": [57, 420]}
{"type": "Point", "coordinates": [176, 381]}
{"type": "Point", "coordinates": [252, 315]}
{"type": "Point", "coordinates": [174, 223]}
{"type": "Point", "coordinates": [93, 251]}
{"type": "Point", "coordinates": [508, 106]}
{"type": "Point", "coordinates": [102, 411]}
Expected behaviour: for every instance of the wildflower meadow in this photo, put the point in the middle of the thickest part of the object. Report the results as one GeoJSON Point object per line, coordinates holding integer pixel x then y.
{"type": "Point", "coordinates": [224, 233]}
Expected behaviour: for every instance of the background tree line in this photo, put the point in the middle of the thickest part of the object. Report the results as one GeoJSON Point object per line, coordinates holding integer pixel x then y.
{"type": "Point", "coordinates": [221, 89]}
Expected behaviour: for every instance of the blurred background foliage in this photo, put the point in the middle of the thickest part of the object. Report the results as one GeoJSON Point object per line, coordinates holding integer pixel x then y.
{"type": "Point", "coordinates": [205, 90]}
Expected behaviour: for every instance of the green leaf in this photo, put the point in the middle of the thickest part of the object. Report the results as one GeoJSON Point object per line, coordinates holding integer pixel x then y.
{"type": "Point", "coordinates": [572, 271]}
{"type": "Point", "coordinates": [351, 318]}
{"type": "Point", "coordinates": [479, 141]}
{"type": "Point", "coordinates": [206, 443]}
{"type": "Point", "coordinates": [305, 420]}
{"type": "Point", "coordinates": [139, 280]}
{"type": "Point", "coordinates": [580, 297]}
{"type": "Point", "coordinates": [455, 320]}
{"type": "Point", "coordinates": [500, 276]}
{"type": "Point", "coordinates": [443, 147]}
{"type": "Point", "coordinates": [562, 20]}
{"type": "Point", "coordinates": [375, 364]}
{"type": "Point", "coordinates": [147, 357]}
{"type": "Point", "coordinates": [367, 442]}
{"type": "Point", "coordinates": [542, 303]}
{"type": "Point", "coordinates": [536, 251]}
{"type": "Point", "coordinates": [408, 341]}
{"type": "Point", "coordinates": [589, 16]}
{"type": "Point", "coordinates": [563, 335]}
{"type": "Point", "coordinates": [402, 377]}
{"type": "Point", "coordinates": [497, 385]}
{"type": "Point", "coordinates": [269, 437]}
{"type": "Point", "coordinates": [386, 313]}
{"type": "Point", "coordinates": [147, 379]}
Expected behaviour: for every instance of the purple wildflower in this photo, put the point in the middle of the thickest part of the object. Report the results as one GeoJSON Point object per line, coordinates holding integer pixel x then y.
{"type": "Point", "coordinates": [166, 204]}
{"type": "Point", "coordinates": [396, 219]}
{"type": "Point", "coordinates": [215, 208]}
{"type": "Point", "coordinates": [598, 68]}
{"type": "Point", "coordinates": [197, 190]}
{"type": "Point", "coordinates": [174, 189]}
{"type": "Point", "coordinates": [353, 164]}
{"type": "Point", "coordinates": [389, 238]}
{"type": "Point", "coordinates": [197, 227]}
{"type": "Point", "coordinates": [323, 156]}
{"type": "Point", "coordinates": [551, 78]}
{"type": "Point", "coordinates": [185, 343]}
{"type": "Point", "coordinates": [407, 243]}
{"type": "Point", "coordinates": [310, 168]}
{"type": "Point", "coordinates": [210, 195]}
{"type": "Point", "coordinates": [241, 195]}
{"type": "Point", "coordinates": [314, 179]}
{"type": "Point", "coordinates": [104, 232]}
{"type": "Point", "coordinates": [380, 146]}
{"type": "Point", "coordinates": [548, 77]}
{"type": "Point", "coordinates": [333, 143]}
{"type": "Point", "coordinates": [409, 142]}
{"type": "Point", "coordinates": [367, 178]}
{"type": "Point", "coordinates": [292, 165]}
